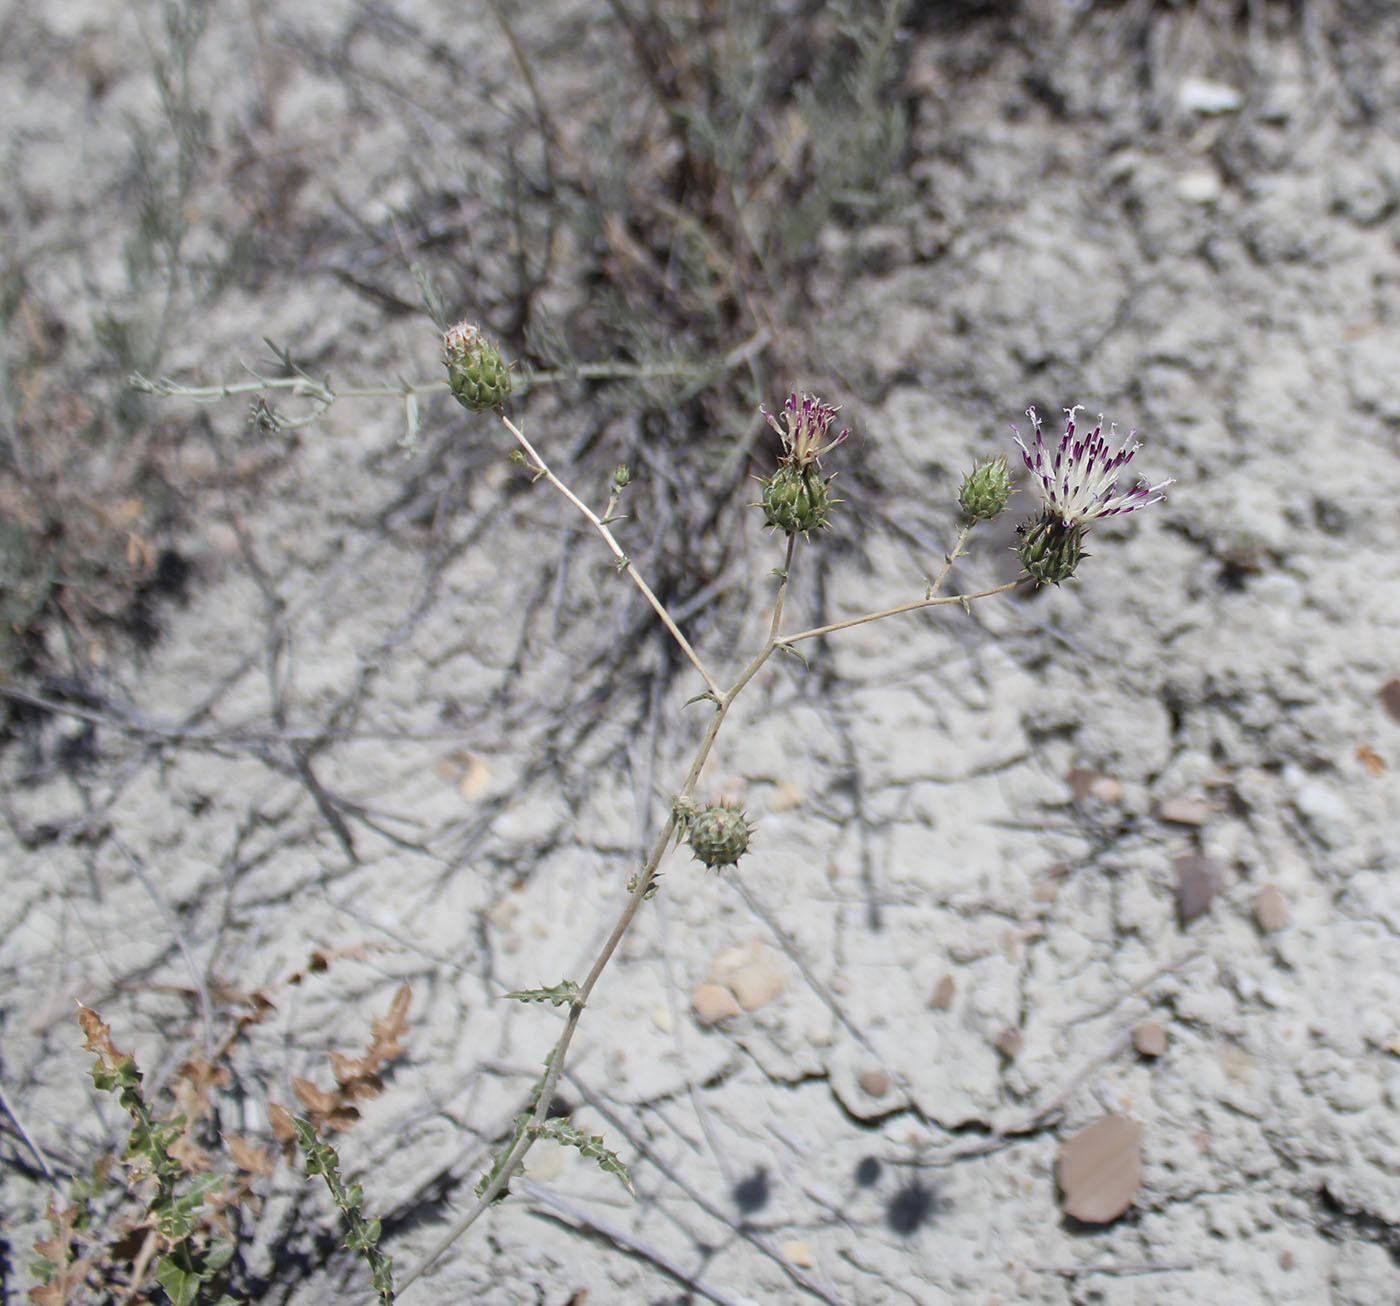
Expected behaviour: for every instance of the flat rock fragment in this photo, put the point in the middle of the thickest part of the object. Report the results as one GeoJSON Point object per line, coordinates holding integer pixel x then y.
{"type": "Point", "coordinates": [1195, 886]}
{"type": "Point", "coordinates": [1100, 1169]}
{"type": "Point", "coordinates": [1150, 1039]}
{"type": "Point", "coordinates": [1389, 694]}
{"type": "Point", "coordinates": [713, 1003]}
{"type": "Point", "coordinates": [874, 1082]}
{"type": "Point", "coordinates": [1183, 811]}
{"type": "Point", "coordinates": [1270, 909]}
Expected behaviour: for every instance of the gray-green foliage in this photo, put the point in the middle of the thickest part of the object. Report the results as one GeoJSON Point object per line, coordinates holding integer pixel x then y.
{"type": "Point", "coordinates": [364, 1234]}
{"type": "Point", "coordinates": [189, 1255]}
{"type": "Point", "coordinates": [564, 991]}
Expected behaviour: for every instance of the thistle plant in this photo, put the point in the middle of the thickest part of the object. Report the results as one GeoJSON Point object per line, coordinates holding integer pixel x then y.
{"type": "Point", "coordinates": [362, 1234]}
{"type": "Point", "coordinates": [1078, 483]}
{"type": "Point", "coordinates": [181, 1242]}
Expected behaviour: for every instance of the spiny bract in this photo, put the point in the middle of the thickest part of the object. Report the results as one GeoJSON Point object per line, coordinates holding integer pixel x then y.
{"type": "Point", "coordinates": [719, 834]}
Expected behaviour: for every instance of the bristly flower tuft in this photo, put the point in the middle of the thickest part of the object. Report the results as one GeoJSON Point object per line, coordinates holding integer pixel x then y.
{"type": "Point", "coordinates": [805, 420]}
{"type": "Point", "coordinates": [797, 497]}
{"type": "Point", "coordinates": [1078, 478]}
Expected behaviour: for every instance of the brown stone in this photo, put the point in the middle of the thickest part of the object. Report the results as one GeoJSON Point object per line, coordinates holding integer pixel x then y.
{"type": "Point", "coordinates": [757, 984]}
{"type": "Point", "coordinates": [1150, 1039]}
{"type": "Point", "coordinates": [713, 1003]}
{"type": "Point", "coordinates": [1270, 909]}
{"type": "Point", "coordinates": [1100, 1169]}
{"type": "Point", "coordinates": [1010, 1042]}
{"type": "Point", "coordinates": [943, 994]}
{"type": "Point", "coordinates": [1195, 886]}
{"type": "Point", "coordinates": [1183, 811]}
{"type": "Point", "coordinates": [874, 1082]}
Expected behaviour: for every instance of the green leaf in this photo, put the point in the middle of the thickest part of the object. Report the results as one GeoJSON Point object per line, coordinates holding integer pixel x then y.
{"type": "Point", "coordinates": [792, 651]}
{"type": "Point", "coordinates": [522, 1123]}
{"type": "Point", "coordinates": [180, 1285]}
{"type": "Point", "coordinates": [564, 991]}
{"type": "Point", "coordinates": [201, 1186]}
{"type": "Point", "coordinates": [590, 1145]}
{"type": "Point", "coordinates": [218, 1254]}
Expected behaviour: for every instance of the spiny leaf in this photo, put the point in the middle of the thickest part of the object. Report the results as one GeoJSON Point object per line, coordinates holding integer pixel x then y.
{"type": "Point", "coordinates": [792, 651]}
{"type": "Point", "coordinates": [590, 1145]}
{"type": "Point", "coordinates": [522, 1123]}
{"type": "Point", "coordinates": [564, 991]}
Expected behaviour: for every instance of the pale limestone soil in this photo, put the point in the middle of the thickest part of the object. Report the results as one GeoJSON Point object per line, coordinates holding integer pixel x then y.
{"type": "Point", "coordinates": [1077, 232]}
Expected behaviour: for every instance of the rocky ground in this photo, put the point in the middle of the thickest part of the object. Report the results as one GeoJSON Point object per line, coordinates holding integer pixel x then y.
{"type": "Point", "coordinates": [316, 710]}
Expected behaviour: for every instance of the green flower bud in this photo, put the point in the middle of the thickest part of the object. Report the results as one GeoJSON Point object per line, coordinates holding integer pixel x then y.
{"type": "Point", "coordinates": [718, 834]}
{"type": "Point", "coordinates": [796, 499]}
{"type": "Point", "coordinates": [622, 476]}
{"type": "Point", "coordinates": [476, 373]}
{"type": "Point", "coordinates": [985, 490]}
{"type": "Point", "coordinates": [1049, 550]}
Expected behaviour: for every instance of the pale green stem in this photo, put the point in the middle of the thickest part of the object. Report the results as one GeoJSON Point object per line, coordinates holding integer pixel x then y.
{"type": "Point", "coordinates": [624, 563]}
{"type": "Point", "coordinates": [928, 601]}
{"type": "Point", "coordinates": [525, 1139]}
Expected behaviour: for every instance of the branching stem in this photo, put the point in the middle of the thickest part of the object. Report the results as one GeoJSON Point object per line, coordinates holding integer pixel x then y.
{"type": "Point", "coordinates": [525, 1138]}
{"type": "Point", "coordinates": [539, 466]}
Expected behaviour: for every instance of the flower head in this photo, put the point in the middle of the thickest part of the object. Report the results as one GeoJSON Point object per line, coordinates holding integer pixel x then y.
{"type": "Point", "coordinates": [806, 420]}
{"type": "Point", "coordinates": [1079, 477]}
{"type": "Point", "coordinates": [477, 375]}
{"type": "Point", "coordinates": [985, 489]}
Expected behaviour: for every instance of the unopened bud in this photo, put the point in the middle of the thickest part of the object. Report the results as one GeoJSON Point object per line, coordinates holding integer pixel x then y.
{"type": "Point", "coordinates": [622, 476]}
{"type": "Point", "coordinates": [1049, 550]}
{"type": "Point", "coordinates": [796, 499]}
{"type": "Point", "coordinates": [985, 490]}
{"type": "Point", "coordinates": [718, 834]}
{"type": "Point", "coordinates": [476, 373]}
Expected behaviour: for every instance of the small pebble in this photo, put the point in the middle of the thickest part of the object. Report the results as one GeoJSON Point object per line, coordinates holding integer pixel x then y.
{"type": "Point", "coordinates": [712, 1004]}
{"type": "Point", "coordinates": [1010, 1042]}
{"type": "Point", "coordinates": [1208, 97]}
{"type": "Point", "coordinates": [1270, 909]}
{"type": "Point", "coordinates": [756, 984]}
{"type": "Point", "coordinates": [1106, 788]}
{"type": "Point", "coordinates": [1100, 1169]}
{"type": "Point", "coordinates": [1199, 186]}
{"type": "Point", "coordinates": [1150, 1039]}
{"type": "Point", "coordinates": [1390, 697]}
{"type": "Point", "coordinates": [798, 1254]}
{"type": "Point", "coordinates": [1195, 886]}
{"type": "Point", "coordinates": [1183, 811]}
{"type": "Point", "coordinates": [943, 994]}
{"type": "Point", "coordinates": [874, 1082]}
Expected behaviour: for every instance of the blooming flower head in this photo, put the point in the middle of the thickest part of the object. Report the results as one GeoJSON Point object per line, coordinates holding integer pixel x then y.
{"type": "Point", "coordinates": [1079, 477]}
{"type": "Point", "coordinates": [805, 421]}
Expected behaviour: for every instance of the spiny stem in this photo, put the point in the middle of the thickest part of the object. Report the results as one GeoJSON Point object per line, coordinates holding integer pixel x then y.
{"type": "Point", "coordinates": [525, 1138]}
